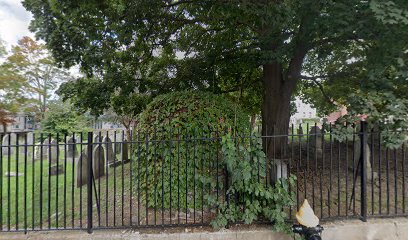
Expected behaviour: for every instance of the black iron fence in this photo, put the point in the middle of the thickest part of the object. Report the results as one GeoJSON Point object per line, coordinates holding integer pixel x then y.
{"type": "Point", "coordinates": [164, 178]}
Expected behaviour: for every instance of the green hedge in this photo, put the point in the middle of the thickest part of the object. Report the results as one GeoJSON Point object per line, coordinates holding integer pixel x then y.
{"type": "Point", "coordinates": [183, 171]}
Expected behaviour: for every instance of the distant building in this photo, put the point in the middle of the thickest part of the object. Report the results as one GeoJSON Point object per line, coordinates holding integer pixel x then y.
{"type": "Point", "coordinates": [23, 122]}
{"type": "Point", "coordinates": [105, 124]}
{"type": "Point", "coordinates": [304, 111]}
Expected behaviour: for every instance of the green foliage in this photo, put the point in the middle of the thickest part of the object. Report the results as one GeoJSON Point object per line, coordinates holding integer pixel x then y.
{"type": "Point", "coordinates": [190, 162]}
{"type": "Point", "coordinates": [14, 87]}
{"type": "Point", "coordinates": [247, 48]}
{"type": "Point", "coordinates": [192, 109]}
{"type": "Point", "coordinates": [249, 198]}
{"type": "Point", "coordinates": [31, 64]}
{"type": "Point", "coordinates": [384, 111]}
{"type": "Point", "coordinates": [61, 119]}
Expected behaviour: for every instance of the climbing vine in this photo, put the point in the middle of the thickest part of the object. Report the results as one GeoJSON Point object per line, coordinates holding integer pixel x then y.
{"type": "Point", "coordinates": [249, 198]}
{"type": "Point", "coordinates": [194, 152]}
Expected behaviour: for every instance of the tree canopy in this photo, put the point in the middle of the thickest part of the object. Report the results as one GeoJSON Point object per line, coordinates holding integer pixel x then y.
{"type": "Point", "coordinates": [60, 119]}
{"type": "Point", "coordinates": [31, 62]}
{"type": "Point", "coordinates": [269, 49]}
{"type": "Point", "coordinates": [28, 78]}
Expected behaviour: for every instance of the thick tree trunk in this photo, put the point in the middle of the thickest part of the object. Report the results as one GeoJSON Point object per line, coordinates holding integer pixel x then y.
{"type": "Point", "coordinates": [276, 110]}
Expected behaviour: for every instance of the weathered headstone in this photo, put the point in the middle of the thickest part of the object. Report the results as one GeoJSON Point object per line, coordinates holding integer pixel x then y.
{"type": "Point", "coordinates": [315, 141]}
{"type": "Point", "coordinates": [118, 142]}
{"type": "Point", "coordinates": [37, 152]}
{"type": "Point", "coordinates": [54, 151]}
{"type": "Point", "coordinates": [97, 138]}
{"type": "Point", "coordinates": [81, 170]}
{"type": "Point", "coordinates": [98, 161]}
{"type": "Point", "coordinates": [357, 155]}
{"type": "Point", "coordinates": [30, 139]}
{"type": "Point", "coordinates": [279, 169]}
{"type": "Point", "coordinates": [72, 152]}
{"type": "Point", "coordinates": [13, 174]}
{"type": "Point", "coordinates": [56, 170]}
{"type": "Point", "coordinates": [7, 144]}
{"type": "Point", "coordinates": [43, 151]}
{"type": "Point", "coordinates": [109, 154]}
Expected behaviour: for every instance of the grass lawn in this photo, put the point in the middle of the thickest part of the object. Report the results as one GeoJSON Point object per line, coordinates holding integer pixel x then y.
{"type": "Point", "coordinates": [36, 199]}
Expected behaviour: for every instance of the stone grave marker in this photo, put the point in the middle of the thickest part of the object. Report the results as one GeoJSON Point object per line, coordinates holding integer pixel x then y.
{"type": "Point", "coordinates": [315, 141]}
{"type": "Point", "coordinates": [30, 138]}
{"type": "Point", "coordinates": [54, 151]}
{"type": "Point", "coordinates": [97, 138]}
{"type": "Point", "coordinates": [119, 141]}
{"type": "Point", "coordinates": [279, 169]}
{"type": "Point", "coordinates": [7, 144]}
{"type": "Point", "coordinates": [98, 161]}
{"type": "Point", "coordinates": [56, 170]}
{"type": "Point", "coordinates": [109, 154]}
{"type": "Point", "coordinates": [81, 170]}
{"type": "Point", "coordinates": [357, 154]}
{"type": "Point", "coordinates": [44, 148]}
{"type": "Point", "coordinates": [72, 152]}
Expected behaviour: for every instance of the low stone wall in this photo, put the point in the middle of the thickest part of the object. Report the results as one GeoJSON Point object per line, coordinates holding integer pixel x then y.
{"type": "Point", "coordinates": [374, 229]}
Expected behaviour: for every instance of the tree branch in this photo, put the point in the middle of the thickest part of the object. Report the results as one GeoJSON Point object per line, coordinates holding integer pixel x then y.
{"type": "Point", "coordinates": [320, 86]}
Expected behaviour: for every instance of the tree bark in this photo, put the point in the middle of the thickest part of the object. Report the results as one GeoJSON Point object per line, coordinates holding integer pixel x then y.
{"type": "Point", "coordinates": [275, 110]}
{"type": "Point", "coordinates": [279, 84]}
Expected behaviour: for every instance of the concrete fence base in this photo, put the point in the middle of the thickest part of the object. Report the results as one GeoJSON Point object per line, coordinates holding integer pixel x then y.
{"type": "Point", "coordinates": [374, 229]}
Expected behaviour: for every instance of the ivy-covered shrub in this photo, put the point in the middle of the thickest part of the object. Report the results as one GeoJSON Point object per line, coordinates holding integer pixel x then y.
{"type": "Point", "coordinates": [178, 161]}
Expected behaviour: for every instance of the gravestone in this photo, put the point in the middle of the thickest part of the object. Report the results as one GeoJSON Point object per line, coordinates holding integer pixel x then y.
{"type": "Point", "coordinates": [81, 170]}
{"type": "Point", "coordinates": [7, 144]}
{"type": "Point", "coordinates": [44, 148]}
{"type": "Point", "coordinates": [13, 174]}
{"type": "Point", "coordinates": [97, 138]}
{"type": "Point", "coordinates": [98, 161]}
{"type": "Point", "coordinates": [357, 154]}
{"type": "Point", "coordinates": [37, 152]}
{"type": "Point", "coordinates": [54, 151]}
{"type": "Point", "coordinates": [315, 141]}
{"type": "Point", "coordinates": [118, 142]}
{"type": "Point", "coordinates": [56, 170]}
{"type": "Point", "coordinates": [30, 139]}
{"type": "Point", "coordinates": [279, 169]}
{"type": "Point", "coordinates": [109, 154]}
{"type": "Point", "coordinates": [72, 152]}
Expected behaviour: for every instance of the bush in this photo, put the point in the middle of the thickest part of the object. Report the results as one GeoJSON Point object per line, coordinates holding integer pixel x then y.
{"type": "Point", "coordinates": [185, 172]}
{"type": "Point", "coordinates": [61, 119]}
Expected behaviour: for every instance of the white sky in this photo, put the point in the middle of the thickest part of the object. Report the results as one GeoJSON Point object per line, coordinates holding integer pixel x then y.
{"type": "Point", "coordinates": [14, 21]}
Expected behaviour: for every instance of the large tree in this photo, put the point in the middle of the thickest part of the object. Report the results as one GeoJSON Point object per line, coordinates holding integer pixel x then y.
{"type": "Point", "coordinates": [12, 89]}
{"type": "Point", "coordinates": [227, 44]}
{"type": "Point", "coordinates": [31, 62]}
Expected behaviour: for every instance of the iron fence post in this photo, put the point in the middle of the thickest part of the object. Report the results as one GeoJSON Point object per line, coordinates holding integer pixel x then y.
{"type": "Point", "coordinates": [363, 170]}
{"type": "Point", "coordinates": [89, 181]}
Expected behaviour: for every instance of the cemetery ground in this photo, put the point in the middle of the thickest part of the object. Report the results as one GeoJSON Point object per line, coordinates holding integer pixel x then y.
{"type": "Point", "coordinates": [65, 206]}
{"type": "Point", "coordinates": [328, 184]}
{"type": "Point", "coordinates": [54, 201]}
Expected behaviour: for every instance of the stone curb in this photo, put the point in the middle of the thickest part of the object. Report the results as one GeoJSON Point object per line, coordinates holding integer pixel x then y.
{"type": "Point", "coordinates": [374, 229]}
